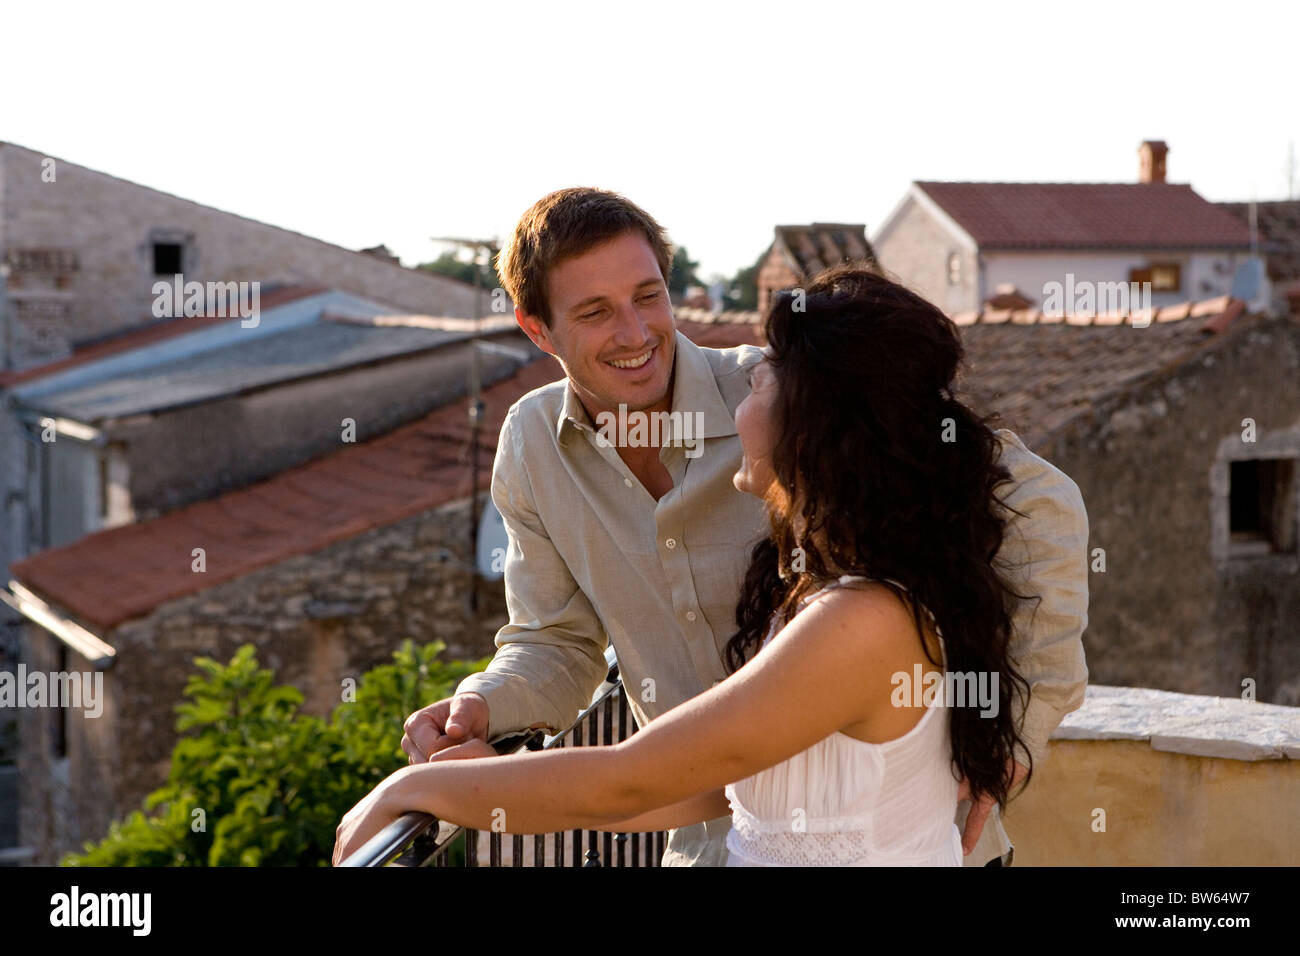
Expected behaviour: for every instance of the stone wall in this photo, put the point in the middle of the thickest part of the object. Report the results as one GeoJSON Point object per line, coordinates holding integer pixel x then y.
{"type": "Point", "coordinates": [1147, 778]}
{"type": "Point", "coordinates": [315, 619]}
{"type": "Point", "coordinates": [1166, 612]}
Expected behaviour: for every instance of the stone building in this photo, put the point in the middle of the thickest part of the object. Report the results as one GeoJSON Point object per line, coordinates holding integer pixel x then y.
{"type": "Point", "coordinates": [798, 253]}
{"type": "Point", "coordinates": [326, 567]}
{"type": "Point", "coordinates": [1184, 438]}
{"type": "Point", "coordinates": [82, 254]}
{"type": "Point", "coordinates": [959, 244]}
{"type": "Point", "coordinates": [81, 251]}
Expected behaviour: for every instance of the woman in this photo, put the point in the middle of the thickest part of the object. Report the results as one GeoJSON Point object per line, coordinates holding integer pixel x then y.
{"type": "Point", "coordinates": [879, 486]}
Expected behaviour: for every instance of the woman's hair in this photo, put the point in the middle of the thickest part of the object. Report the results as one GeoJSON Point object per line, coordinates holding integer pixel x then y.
{"type": "Point", "coordinates": [881, 471]}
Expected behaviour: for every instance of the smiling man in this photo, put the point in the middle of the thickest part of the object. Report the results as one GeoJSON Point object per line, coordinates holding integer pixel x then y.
{"type": "Point", "coordinates": [644, 543]}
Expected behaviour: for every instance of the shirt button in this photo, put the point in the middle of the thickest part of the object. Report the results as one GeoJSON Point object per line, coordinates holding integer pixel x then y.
{"type": "Point", "coordinates": [670, 543]}
{"type": "Point", "coordinates": [628, 482]}
{"type": "Point", "coordinates": [690, 615]}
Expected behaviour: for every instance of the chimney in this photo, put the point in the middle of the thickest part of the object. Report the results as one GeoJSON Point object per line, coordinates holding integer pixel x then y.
{"type": "Point", "coordinates": [1151, 161]}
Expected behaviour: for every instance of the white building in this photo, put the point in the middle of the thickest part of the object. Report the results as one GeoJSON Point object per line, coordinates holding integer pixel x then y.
{"type": "Point", "coordinates": [967, 245]}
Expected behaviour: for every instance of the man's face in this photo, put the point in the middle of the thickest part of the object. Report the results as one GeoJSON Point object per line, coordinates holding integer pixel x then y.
{"type": "Point", "coordinates": [611, 326]}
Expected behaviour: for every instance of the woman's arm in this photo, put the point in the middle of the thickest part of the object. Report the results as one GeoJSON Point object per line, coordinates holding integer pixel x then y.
{"type": "Point", "coordinates": [829, 668]}
{"type": "Point", "coordinates": [705, 806]}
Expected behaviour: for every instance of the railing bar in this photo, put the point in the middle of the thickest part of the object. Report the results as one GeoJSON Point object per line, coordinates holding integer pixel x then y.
{"type": "Point", "coordinates": [404, 834]}
{"type": "Point", "coordinates": [607, 733]}
{"type": "Point", "coordinates": [577, 834]}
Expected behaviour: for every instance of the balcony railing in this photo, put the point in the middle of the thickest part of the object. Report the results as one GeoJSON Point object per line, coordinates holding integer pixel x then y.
{"type": "Point", "coordinates": [418, 839]}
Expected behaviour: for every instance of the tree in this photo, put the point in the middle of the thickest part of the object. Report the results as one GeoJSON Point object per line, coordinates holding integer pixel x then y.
{"type": "Point", "coordinates": [448, 264]}
{"type": "Point", "coordinates": [742, 290]}
{"type": "Point", "coordinates": [682, 273]}
{"type": "Point", "coordinates": [256, 782]}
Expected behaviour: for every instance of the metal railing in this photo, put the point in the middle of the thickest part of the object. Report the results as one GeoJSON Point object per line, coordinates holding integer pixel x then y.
{"type": "Point", "coordinates": [418, 839]}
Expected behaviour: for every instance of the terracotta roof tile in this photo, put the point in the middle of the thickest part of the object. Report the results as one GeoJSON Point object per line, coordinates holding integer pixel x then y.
{"type": "Point", "coordinates": [1044, 376]}
{"type": "Point", "coordinates": [1088, 215]}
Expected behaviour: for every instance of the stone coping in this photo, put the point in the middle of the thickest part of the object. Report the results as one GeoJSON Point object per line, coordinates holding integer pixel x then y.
{"type": "Point", "coordinates": [1186, 723]}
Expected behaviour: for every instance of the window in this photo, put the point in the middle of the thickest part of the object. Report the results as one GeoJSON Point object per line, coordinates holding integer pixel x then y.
{"type": "Point", "coordinates": [60, 715]}
{"type": "Point", "coordinates": [1163, 276]}
{"type": "Point", "coordinates": [1261, 505]}
{"type": "Point", "coordinates": [954, 268]}
{"type": "Point", "coordinates": [167, 258]}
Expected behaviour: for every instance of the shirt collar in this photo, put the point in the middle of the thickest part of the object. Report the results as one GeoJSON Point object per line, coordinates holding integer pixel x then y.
{"type": "Point", "coordinates": [695, 389]}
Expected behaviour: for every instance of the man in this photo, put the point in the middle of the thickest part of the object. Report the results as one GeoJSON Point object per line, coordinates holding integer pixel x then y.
{"type": "Point", "coordinates": [640, 537]}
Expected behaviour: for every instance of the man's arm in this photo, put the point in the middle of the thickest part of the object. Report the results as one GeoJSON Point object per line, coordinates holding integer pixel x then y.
{"type": "Point", "coordinates": [551, 655]}
{"type": "Point", "coordinates": [1045, 554]}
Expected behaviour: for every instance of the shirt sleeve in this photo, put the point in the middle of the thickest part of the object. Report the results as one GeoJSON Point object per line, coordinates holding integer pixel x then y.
{"type": "Point", "coordinates": [1044, 555]}
{"type": "Point", "coordinates": [551, 655]}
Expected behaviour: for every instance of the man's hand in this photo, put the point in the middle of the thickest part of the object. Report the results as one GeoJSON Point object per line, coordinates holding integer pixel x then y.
{"type": "Point", "coordinates": [981, 808]}
{"type": "Point", "coordinates": [448, 724]}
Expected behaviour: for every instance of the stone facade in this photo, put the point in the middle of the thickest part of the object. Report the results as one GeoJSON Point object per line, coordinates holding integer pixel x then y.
{"type": "Point", "coordinates": [1174, 609]}
{"type": "Point", "coordinates": [315, 619]}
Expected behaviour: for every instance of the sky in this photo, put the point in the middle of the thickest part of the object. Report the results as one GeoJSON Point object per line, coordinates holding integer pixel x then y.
{"type": "Point", "coordinates": [393, 123]}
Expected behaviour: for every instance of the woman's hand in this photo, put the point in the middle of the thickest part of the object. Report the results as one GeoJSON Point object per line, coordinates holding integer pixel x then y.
{"type": "Point", "coordinates": [378, 809]}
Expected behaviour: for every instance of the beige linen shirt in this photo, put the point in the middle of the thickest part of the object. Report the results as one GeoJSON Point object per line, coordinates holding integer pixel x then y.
{"type": "Point", "coordinates": [594, 558]}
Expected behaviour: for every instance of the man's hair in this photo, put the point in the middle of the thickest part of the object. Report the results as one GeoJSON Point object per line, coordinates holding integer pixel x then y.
{"type": "Point", "coordinates": [564, 224]}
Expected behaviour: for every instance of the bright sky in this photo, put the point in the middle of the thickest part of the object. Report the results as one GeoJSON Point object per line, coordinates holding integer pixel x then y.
{"type": "Point", "coordinates": [394, 122]}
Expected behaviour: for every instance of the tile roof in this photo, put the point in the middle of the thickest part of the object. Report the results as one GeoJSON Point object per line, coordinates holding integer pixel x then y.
{"type": "Point", "coordinates": [1088, 216]}
{"type": "Point", "coordinates": [111, 576]}
{"type": "Point", "coordinates": [1041, 377]}
{"type": "Point", "coordinates": [820, 245]}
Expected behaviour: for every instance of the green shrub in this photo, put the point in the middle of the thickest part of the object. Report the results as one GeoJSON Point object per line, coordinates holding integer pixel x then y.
{"type": "Point", "coordinates": [257, 783]}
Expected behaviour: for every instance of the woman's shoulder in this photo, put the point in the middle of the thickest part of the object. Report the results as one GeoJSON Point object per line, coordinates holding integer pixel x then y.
{"type": "Point", "coordinates": [879, 607]}
{"type": "Point", "coordinates": [854, 596]}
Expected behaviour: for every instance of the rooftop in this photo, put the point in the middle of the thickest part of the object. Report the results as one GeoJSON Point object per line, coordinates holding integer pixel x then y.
{"type": "Point", "coordinates": [812, 248]}
{"type": "Point", "coordinates": [120, 573]}
{"type": "Point", "coordinates": [188, 361]}
{"type": "Point", "coordinates": [1087, 216]}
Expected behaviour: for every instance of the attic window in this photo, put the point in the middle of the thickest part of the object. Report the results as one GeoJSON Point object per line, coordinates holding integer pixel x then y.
{"type": "Point", "coordinates": [167, 258]}
{"type": "Point", "coordinates": [1163, 276]}
{"type": "Point", "coordinates": [1261, 506]}
{"type": "Point", "coordinates": [954, 269]}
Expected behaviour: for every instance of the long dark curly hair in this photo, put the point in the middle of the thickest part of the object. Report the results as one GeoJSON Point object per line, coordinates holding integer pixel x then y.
{"type": "Point", "coordinates": [881, 471]}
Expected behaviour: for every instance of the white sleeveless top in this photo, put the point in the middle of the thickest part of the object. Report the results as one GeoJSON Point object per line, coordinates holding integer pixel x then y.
{"type": "Point", "coordinates": [846, 802]}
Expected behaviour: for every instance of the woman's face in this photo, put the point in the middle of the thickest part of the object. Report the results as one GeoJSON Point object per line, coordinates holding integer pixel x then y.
{"type": "Point", "coordinates": [754, 424]}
